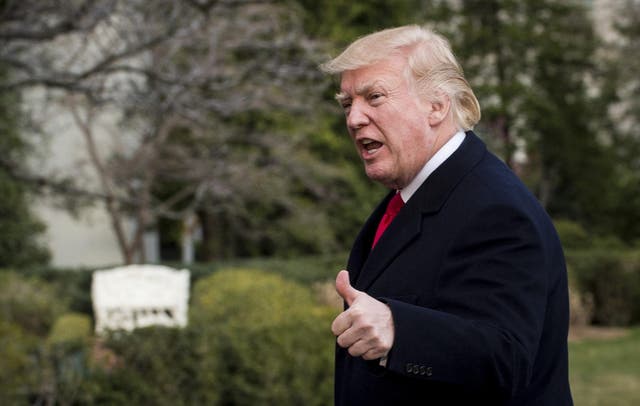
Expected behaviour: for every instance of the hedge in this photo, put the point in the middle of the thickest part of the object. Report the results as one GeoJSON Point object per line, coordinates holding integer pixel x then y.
{"type": "Point", "coordinates": [610, 281]}
{"type": "Point", "coordinates": [253, 338]}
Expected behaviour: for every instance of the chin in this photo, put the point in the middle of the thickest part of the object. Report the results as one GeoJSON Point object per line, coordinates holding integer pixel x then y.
{"type": "Point", "coordinates": [381, 177]}
{"type": "Point", "coordinates": [382, 171]}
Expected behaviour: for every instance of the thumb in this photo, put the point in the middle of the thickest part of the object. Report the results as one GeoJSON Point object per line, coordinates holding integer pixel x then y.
{"type": "Point", "coordinates": [344, 288]}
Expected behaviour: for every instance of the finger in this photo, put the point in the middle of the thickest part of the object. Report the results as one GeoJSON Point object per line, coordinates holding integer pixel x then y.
{"type": "Point", "coordinates": [359, 348]}
{"type": "Point", "coordinates": [341, 323]}
{"type": "Point", "coordinates": [349, 337]}
{"type": "Point", "coordinates": [344, 288]}
{"type": "Point", "coordinates": [374, 353]}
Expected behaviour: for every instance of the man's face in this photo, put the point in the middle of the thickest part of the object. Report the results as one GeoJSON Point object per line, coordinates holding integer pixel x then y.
{"type": "Point", "coordinates": [387, 121]}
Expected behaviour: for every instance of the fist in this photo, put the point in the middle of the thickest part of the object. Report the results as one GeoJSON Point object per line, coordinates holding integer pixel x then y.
{"type": "Point", "coordinates": [366, 327]}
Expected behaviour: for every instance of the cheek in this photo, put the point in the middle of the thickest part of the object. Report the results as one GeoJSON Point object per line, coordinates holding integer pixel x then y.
{"type": "Point", "coordinates": [415, 146]}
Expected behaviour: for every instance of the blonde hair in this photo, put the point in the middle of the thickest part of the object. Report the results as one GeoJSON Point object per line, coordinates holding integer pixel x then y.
{"type": "Point", "coordinates": [430, 64]}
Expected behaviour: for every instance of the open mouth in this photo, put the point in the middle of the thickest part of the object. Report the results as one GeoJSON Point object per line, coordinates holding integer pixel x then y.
{"type": "Point", "coordinates": [371, 146]}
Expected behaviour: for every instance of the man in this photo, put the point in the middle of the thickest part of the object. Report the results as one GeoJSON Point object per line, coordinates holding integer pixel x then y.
{"type": "Point", "coordinates": [462, 299]}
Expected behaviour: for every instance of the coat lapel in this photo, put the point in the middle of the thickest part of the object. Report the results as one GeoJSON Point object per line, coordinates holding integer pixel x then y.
{"type": "Point", "coordinates": [366, 265]}
{"type": "Point", "coordinates": [362, 245]}
{"type": "Point", "coordinates": [400, 232]}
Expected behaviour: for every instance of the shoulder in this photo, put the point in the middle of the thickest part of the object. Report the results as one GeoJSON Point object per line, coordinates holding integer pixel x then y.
{"type": "Point", "coordinates": [492, 182]}
{"type": "Point", "coordinates": [491, 190]}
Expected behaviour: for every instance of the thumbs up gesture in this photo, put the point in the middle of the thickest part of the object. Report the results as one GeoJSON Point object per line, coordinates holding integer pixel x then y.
{"type": "Point", "coordinates": [366, 327]}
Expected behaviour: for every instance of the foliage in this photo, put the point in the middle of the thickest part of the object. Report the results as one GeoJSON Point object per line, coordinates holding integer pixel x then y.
{"type": "Point", "coordinates": [253, 338]}
{"type": "Point", "coordinates": [70, 328]}
{"type": "Point", "coordinates": [276, 342]}
{"type": "Point", "coordinates": [304, 270]}
{"type": "Point", "coordinates": [19, 229]}
{"type": "Point", "coordinates": [530, 63]}
{"type": "Point", "coordinates": [620, 97]}
{"type": "Point", "coordinates": [17, 374]}
{"type": "Point", "coordinates": [153, 365]}
{"type": "Point", "coordinates": [214, 104]}
{"type": "Point", "coordinates": [29, 303]}
{"type": "Point", "coordinates": [575, 237]}
{"type": "Point", "coordinates": [580, 304]}
{"type": "Point", "coordinates": [35, 369]}
{"type": "Point", "coordinates": [342, 21]}
{"type": "Point", "coordinates": [611, 279]}
{"type": "Point", "coordinates": [72, 285]}
{"type": "Point", "coordinates": [572, 235]}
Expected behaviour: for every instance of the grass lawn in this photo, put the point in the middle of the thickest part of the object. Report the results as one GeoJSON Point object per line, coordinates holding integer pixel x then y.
{"type": "Point", "coordinates": [606, 371]}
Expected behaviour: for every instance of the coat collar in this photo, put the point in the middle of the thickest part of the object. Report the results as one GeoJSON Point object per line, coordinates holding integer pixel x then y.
{"type": "Point", "coordinates": [366, 265]}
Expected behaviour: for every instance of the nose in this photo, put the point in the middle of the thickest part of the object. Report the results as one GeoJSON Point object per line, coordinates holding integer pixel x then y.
{"type": "Point", "coordinates": [357, 116]}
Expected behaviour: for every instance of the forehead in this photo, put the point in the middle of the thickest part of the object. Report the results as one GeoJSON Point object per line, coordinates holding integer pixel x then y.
{"type": "Point", "coordinates": [388, 72]}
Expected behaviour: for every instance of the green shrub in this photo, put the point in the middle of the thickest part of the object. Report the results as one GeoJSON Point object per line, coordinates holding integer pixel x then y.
{"type": "Point", "coordinates": [71, 328]}
{"type": "Point", "coordinates": [305, 270]}
{"type": "Point", "coordinates": [17, 378]}
{"type": "Point", "coordinates": [580, 302]}
{"type": "Point", "coordinates": [149, 366]}
{"type": "Point", "coordinates": [262, 340]}
{"type": "Point", "coordinates": [29, 302]}
{"type": "Point", "coordinates": [47, 351]}
{"type": "Point", "coordinates": [72, 284]}
{"type": "Point", "coordinates": [572, 234]}
{"type": "Point", "coordinates": [254, 338]}
{"type": "Point", "coordinates": [611, 278]}
{"type": "Point", "coordinates": [68, 345]}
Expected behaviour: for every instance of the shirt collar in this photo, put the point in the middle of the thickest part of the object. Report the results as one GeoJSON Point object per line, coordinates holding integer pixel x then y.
{"type": "Point", "coordinates": [432, 164]}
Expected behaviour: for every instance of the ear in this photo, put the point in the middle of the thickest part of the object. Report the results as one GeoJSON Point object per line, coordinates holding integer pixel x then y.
{"type": "Point", "coordinates": [439, 111]}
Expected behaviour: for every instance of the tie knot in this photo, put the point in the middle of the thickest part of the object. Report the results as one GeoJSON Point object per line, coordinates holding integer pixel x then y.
{"type": "Point", "coordinates": [395, 204]}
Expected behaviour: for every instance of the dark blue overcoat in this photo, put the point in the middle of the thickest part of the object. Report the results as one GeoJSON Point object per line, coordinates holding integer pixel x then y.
{"type": "Point", "coordinates": [474, 274]}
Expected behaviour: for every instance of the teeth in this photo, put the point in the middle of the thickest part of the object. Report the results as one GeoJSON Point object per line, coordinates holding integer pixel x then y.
{"type": "Point", "coordinates": [370, 146]}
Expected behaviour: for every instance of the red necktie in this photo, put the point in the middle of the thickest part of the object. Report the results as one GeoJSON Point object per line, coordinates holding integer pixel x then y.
{"type": "Point", "coordinates": [394, 206]}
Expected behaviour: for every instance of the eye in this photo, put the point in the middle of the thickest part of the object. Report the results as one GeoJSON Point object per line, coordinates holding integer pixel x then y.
{"type": "Point", "coordinates": [375, 96]}
{"type": "Point", "coordinates": [346, 105]}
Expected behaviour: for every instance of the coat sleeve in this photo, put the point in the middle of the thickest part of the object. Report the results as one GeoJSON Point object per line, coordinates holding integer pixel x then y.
{"type": "Point", "coordinates": [483, 327]}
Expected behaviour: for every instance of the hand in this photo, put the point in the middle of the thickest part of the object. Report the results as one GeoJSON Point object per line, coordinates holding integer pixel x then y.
{"type": "Point", "coordinates": [366, 327]}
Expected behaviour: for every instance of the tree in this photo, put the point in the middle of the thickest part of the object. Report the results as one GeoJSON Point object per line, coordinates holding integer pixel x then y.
{"type": "Point", "coordinates": [19, 229]}
{"type": "Point", "coordinates": [530, 63]}
{"type": "Point", "coordinates": [214, 101]}
{"type": "Point", "coordinates": [620, 97]}
{"type": "Point", "coordinates": [342, 21]}
{"type": "Point", "coordinates": [73, 50]}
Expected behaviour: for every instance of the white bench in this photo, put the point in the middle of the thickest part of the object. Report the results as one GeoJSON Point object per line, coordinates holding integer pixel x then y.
{"type": "Point", "coordinates": [136, 296]}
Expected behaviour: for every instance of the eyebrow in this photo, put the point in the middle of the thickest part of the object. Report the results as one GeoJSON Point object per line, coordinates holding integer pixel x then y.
{"type": "Point", "coordinates": [342, 97]}
{"type": "Point", "coordinates": [363, 89]}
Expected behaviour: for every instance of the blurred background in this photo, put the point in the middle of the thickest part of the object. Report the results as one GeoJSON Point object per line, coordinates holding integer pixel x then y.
{"type": "Point", "coordinates": [200, 134]}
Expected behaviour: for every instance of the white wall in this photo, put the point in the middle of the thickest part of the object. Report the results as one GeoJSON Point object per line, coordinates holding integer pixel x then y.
{"type": "Point", "coordinates": [83, 241]}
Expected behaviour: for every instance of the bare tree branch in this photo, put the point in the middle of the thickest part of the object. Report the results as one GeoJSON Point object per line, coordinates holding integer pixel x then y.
{"type": "Point", "coordinates": [199, 86]}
